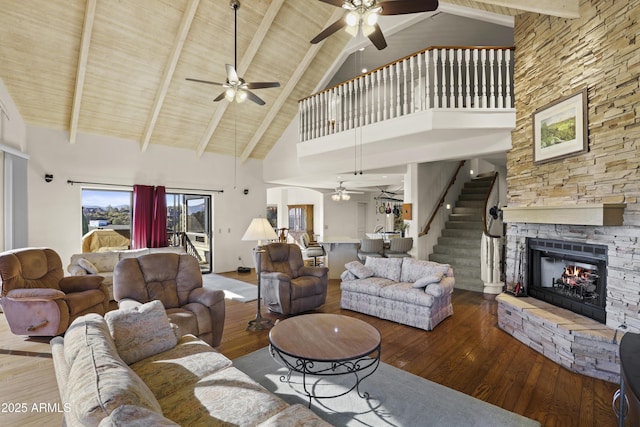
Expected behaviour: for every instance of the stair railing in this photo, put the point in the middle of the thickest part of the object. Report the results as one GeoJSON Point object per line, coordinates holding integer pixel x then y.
{"type": "Point", "coordinates": [491, 250]}
{"type": "Point", "coordinates": [426, 228]}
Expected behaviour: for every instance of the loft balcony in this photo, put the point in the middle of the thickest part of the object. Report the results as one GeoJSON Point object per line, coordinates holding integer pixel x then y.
{"type": "Point", "coordinates": [440, 103]}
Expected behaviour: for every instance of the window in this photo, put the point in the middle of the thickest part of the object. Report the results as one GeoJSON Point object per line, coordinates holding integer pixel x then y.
{"type": "Point", "coordinates": [106, 209]}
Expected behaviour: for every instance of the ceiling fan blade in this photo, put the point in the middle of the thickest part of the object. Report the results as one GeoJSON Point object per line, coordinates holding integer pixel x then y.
{"type": "Point", "coordinates": [255, 98]}
{"type": "Point", "coordinates": [401, 7]}
{"type": "Point", "coordinates": [219, 97]}
{"type": "Point", "coordinates": [339, 24]}
{"type": "Point", "coordinates": [204, 81]}
{"type": "Point", "coordinates": [232, 75]}
{"type": "Point", "coordinates": [337, 3]}
{"type": "Point", "coordinates": [262, 85]}
{"type": "Point", "coordinates": [377, 38]}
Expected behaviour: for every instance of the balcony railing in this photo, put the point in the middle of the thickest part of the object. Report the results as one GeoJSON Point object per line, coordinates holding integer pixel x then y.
{"type": "Point", "coordinates": [443, 77]}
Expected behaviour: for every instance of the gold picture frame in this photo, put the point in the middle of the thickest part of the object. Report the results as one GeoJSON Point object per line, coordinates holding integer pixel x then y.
{"type": "Point", "coordinates": [560, 129]}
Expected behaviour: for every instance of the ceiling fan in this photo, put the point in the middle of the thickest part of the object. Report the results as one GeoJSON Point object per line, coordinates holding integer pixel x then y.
{"type": "Point", "coordinates": [362, 16]}
{"type": "Point", "coordinates": [236, 89]}
{"type": "Point", "coordinates": [341, 193]}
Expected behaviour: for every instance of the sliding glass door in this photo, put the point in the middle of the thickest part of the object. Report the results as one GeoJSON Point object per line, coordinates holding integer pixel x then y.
{"type": "Point", "coordinates": [198, 229]}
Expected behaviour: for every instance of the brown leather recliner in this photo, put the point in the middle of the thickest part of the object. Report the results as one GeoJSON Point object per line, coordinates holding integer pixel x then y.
{"type": "Point", "coordinates": [288, 286]}
{"type": "Point", "coordinates": [175, 280]}
{"type": "Point", "coordinates": [36, 297]}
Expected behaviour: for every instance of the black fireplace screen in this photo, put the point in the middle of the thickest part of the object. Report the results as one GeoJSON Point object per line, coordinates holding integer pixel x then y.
{"type": "Point", "coordinates": [569, 275]}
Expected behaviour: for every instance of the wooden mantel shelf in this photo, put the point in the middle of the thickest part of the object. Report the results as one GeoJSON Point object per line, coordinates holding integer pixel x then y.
{"type": "Point", "coordinates": [588, 214]}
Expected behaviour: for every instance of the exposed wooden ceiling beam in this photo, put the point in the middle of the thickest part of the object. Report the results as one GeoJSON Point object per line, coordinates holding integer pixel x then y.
{"type": "Point", "coordinates": [245, 61]}
{"type": "Point", "coordinates": [560, 8]}
{"type": "Point", "coordinates": [169, 69]}
{"type": "Point", "coordinates": [89, 17]}
{"type": "Point", "coordinates": [286, 91]}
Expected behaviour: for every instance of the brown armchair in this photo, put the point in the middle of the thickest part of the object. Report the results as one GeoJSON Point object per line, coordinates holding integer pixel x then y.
{"type": "Point", "coordinates": [36, 297]}
{"type": "Point", "coordinates": [175, 280]}
{"type": "Point", "coordinates": [288, 286]}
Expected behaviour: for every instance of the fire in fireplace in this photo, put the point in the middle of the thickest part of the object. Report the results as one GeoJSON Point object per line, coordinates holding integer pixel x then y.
{"type": "Point", "coordinates": [569, 275]}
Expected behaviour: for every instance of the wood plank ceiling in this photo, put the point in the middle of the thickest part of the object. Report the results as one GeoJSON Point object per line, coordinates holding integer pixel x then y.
{"type": "Point", "coordinates": [118, 68]}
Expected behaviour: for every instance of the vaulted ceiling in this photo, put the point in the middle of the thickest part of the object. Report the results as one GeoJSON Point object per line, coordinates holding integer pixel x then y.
{"type": "Point", "coordinates": [118, 67]}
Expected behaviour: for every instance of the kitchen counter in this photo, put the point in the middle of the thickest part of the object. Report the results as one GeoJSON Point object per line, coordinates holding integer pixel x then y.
{"type": "Point", "coordinates": [340, 250]}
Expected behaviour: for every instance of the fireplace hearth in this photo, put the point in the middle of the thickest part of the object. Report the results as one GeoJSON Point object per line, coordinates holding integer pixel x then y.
{"type": "Point", "coordinates": [571, 275]}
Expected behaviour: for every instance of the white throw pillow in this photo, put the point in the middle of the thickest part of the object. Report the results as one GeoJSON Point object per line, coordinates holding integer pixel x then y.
{"type": "Point", "coordinates": [359, 269]}
{"type": "Point", "coordinates": [427, 280]}
{"type": "Point", "coordinates": [87, 265]}
{"type": "Point", "coordinates": [142, 331]}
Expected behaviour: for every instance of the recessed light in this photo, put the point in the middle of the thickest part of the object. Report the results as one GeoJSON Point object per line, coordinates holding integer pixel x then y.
{"type": "Point", "coordinates": [364, 70]}
{"type": "Point", "coordinates": [361, 49]}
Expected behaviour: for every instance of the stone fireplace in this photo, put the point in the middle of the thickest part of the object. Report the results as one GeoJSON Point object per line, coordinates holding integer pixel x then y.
{"type": "Point", "coordinates": [583, 285]}
{"type": "Point", "coordinates": [571, 275]}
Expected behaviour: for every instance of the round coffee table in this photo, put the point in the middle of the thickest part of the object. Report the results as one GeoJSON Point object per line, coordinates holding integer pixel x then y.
{"type": "Point", "coordinates": [319, 345]}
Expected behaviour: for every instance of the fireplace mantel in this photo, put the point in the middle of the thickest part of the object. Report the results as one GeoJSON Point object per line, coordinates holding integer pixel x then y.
{"type": "Point", "coordinates": [598, 214]}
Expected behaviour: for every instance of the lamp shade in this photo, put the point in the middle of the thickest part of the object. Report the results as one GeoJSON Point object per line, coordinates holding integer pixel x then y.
{"type": "Point", "coordinates": [259, 230]}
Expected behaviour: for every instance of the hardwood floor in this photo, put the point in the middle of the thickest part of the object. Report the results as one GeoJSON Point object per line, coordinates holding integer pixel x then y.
{"type": "Point", "coordinates": [466, 352]}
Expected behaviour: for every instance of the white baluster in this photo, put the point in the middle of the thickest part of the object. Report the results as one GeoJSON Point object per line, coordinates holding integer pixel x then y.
{"type": "Point", "coordinates": [427, 82]}
{"type": "Point", "coordinates": [301, 121]}
{"type": "Point", "coordinates": [459, 67]}
{"type": "Point", "coordinates": [307, 119]}
{"type": "Point", "coordinates": [436, 88]}
{"type": "Point", "coordinates": [368, 96]}
{"type": "Point", "coordinates": [412, 88]}
{"type": "Point", "coordinates": [443, 77]}
{"type": "Point", "coordinates": [483, 58]}
{"type": "Point", "coordinates": [467, 98]}
{"type": "Point", "coordinates": [398, 67]}
{"type": "Point", "coordinates": [351, 104]}
{"type": "Point", "coordinates": [499, 94]}
{"type": "Point", "coordinates": [452, 94]}
{"type": "Point", "coordinates": [507, 74]}
{"type": "Point", "coordinates": [323, 113]}
{"type": "Point", "coordinates": [362, 102]}
{"type": "Point", "coordinates": [385, 102]}
{"type": "Point", "coordinates": [405, 105]}
{"type": "Point", "coordinates": [492, 87]}
{"type": "Point", "coordinates": [339, 104]}
{"type": "Point", "coordinates": [380, 89]}
{"type": "Point", "coordinates": [476, 89]}
{"type": "Point", "coordinates": [420, 98]}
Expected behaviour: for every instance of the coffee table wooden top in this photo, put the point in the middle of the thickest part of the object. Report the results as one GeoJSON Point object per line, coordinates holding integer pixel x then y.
{"type": "Point", "coordinates": [324, 337]}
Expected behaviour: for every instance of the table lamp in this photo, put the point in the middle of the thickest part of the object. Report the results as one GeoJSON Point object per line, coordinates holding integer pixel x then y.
{"type": "Point", "coordinates": [260, 229]}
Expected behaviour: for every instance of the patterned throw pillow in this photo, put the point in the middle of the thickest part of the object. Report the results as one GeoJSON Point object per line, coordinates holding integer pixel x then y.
{"type": "Point", "coordinates": [427, 280]}
{"type": "Point", "coordinates": [142, 331]}
{"type": "Point", "coordinates": [389, 268]}
{"type": "Point", "coordinates": [359, 269]}
{"type": "Point", "coordinates": [87, 265]}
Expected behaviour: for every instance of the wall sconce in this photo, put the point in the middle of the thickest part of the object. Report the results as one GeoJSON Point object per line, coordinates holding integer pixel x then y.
{"type": "Point", "coordinates": [448, 206]}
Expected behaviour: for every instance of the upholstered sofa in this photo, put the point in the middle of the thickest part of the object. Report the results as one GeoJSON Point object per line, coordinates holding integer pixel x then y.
{"type": "Point", "coordinates": [405, 290]}
{"type": "Point", "coordinates": [103, 263]}
{"type": "Point", "coordinates": [128, 368]}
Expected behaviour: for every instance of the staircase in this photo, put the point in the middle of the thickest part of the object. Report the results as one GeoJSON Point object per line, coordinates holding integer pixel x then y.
{"type": "Point", "coordinates": [459, 244]}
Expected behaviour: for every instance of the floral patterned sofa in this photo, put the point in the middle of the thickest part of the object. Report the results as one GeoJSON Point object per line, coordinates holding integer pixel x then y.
{"type": "Point", "coordinates": [103, 263]}
{"type": "Point", "coordinates": [129, 368]}
{"type": "Point", "coordinates": [405, 290]}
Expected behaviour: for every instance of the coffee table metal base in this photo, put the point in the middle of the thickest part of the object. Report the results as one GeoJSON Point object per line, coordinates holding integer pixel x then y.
{"type": "Point", "coordinates": [312, 370]}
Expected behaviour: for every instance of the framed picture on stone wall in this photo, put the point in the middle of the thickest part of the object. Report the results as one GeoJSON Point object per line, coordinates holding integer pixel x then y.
{"type": "Point", "coordinates": [560, 128]}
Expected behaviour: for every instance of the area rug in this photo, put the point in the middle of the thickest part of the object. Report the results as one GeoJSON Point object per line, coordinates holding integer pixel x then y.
{"type": "Point", "coordinates": [397, 398]}
{"type": "Point", "coordinates": [233, 289]}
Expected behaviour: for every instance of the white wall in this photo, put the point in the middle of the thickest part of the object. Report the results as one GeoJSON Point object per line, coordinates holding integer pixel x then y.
{"type": "Point", "coordinates": [55, 208]}
{"type": "Point", "coordinates": [283, 196]}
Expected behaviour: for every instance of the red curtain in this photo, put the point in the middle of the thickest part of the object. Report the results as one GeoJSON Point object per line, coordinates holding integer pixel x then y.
{"type": "Point", "coordinates": [159, 226]}
{"type": "Point", "coordinates": [149, 228]}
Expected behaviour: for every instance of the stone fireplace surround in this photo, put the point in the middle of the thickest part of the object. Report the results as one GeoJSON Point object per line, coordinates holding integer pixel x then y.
{"type": "Point", "coordinates": [576, 342]}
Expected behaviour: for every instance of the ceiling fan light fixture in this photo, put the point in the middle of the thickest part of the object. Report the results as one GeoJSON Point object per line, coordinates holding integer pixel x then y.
{"type": "Point", "coordinates": [371, 17]}
{"type": "Point", "coordinates": [335, 197]}
{"type": "Point", "coordinates": [346, 197]}
{"type": "Point", "coordinates": [352, 19]}
{"type": "Point", "coordinates": [241, 96]}
{"type": "Point", "coordinates": [230, 94]}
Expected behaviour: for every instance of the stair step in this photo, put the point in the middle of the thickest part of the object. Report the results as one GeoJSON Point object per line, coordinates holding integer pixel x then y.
{"type": "Point", "coordinates": [459, 241]}
{"type": "Point", "coordinates": [473, 196]}
{"type": "Point", "coordinates": [463, 233]}
{"type": "Point", "coordinates": [456, 261]}
{"type": "Point", "coordinates": [467, 225]}
{"type": "Point", "coordinates": [470, 204]}
{"type": "Point", "coordinates": [457, 251]}
{"type": "Point", "coordinates": [465, 217]}
{"type": "Point", "coordinates": [464, 210]}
